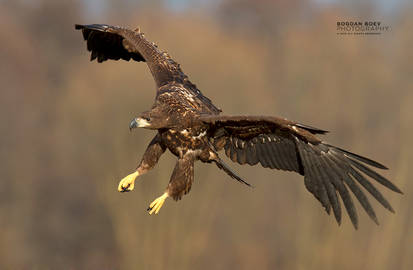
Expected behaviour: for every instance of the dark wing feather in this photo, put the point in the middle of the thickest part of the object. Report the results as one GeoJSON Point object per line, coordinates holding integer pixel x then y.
{"type": "Point", "coordinates": [329, 172]}
{"type": "Point", "coordinates": [113, 43]}
{"type": "Point", "coordinates": [104, 43]}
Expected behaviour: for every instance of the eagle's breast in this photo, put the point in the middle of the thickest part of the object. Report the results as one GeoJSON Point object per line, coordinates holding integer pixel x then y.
{"type": "Point", "coordinates": [187, 140]}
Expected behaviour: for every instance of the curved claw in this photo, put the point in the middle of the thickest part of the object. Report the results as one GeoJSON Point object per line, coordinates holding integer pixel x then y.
{"type": "Point", "coordinates": [128, 182]}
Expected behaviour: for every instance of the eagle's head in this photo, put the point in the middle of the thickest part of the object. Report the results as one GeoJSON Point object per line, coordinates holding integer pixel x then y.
{"type": "Point", "coordinates": [150, 120]}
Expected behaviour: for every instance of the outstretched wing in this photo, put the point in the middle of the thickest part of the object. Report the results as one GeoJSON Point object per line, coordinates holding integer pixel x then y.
{"type": "Point", "coordinates": [276, 143]}
{"type": "Point", "coordinates": [113, 43]}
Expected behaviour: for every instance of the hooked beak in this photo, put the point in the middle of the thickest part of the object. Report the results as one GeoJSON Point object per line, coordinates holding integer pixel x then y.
{"type": "Point", "coordinates": [138, 122]}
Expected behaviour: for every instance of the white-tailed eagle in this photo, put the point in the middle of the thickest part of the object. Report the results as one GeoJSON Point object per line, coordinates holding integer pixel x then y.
{"type": "Point", "coordinates": [192, 128]}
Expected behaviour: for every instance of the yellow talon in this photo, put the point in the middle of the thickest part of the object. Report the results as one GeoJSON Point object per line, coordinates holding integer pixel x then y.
{"type": "Point", "coordinates": [156, 205]}
{"type": "Point", "coordinates": [128, 182]}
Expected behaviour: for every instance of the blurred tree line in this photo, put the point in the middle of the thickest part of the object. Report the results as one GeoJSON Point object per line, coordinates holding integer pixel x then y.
{"type": "Point", "coordinates": [66, 144]}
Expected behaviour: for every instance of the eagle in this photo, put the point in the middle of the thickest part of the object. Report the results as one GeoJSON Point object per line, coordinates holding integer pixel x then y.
{"type": "Point", "coordinates": [193, 129]}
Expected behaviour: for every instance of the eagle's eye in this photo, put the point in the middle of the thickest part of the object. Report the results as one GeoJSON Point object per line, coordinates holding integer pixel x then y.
{"type": "Point", "coordinates": [147, 118]}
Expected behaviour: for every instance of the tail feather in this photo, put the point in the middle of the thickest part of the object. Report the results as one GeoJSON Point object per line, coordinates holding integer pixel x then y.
{"type": "Point", "coordinates": [230, 172]}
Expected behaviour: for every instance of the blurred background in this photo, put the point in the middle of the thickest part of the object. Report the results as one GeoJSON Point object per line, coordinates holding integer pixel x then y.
{"type": "Point", "coordinates": [65, 142]}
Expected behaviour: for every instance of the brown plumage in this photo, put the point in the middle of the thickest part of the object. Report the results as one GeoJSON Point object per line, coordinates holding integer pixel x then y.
{"type": "Point", "coordinates": [189, 125]}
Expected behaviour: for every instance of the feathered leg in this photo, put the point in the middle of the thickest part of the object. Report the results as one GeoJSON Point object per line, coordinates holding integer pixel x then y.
{"type": "Point", "coordinates": [179, 185]}
{"type": "Point", "coordinates": [149, 160]}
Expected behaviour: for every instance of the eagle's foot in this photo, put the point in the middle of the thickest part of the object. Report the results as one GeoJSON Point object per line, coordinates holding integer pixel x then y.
{"type": "Point", "coordinates": [156, 205]}
{"type": "Point", "coordinates": [128, 182]}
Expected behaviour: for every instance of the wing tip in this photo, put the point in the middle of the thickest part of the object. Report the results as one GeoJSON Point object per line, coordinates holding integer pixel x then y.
{"type": "Point", "coordinates": [356, 226]}
{"type": "Point", "coordinates": [311, 129]}
{"type": "Point", "coordinates": [349, 154]}
{"type": "Point", "coordinates": [396, 189]}
{"type": "Point", "coordinates": [97, 27]}
{"type": "Point", "coordinates": [390, 208]}
{"type": "Point", "coordinates": [373, 217]}
{"type": "Point", "coordinates": [374, 175]}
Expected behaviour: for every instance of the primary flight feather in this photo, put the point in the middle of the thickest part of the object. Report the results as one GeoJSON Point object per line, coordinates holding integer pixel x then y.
{"type": "Point", "coordinates": [191, 127]}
